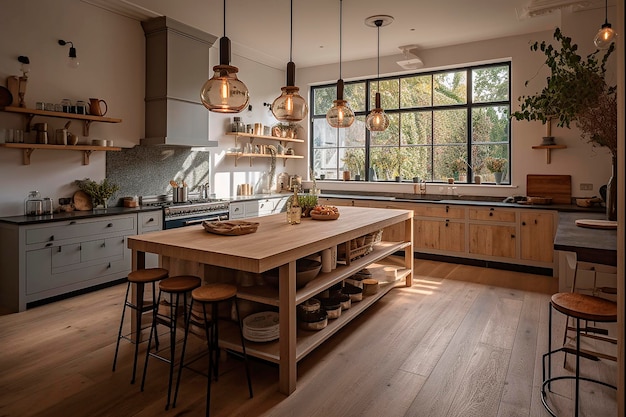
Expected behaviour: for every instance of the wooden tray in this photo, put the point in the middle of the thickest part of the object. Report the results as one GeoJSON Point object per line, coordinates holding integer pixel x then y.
{"type": "Point", "coordinates": [230, 228]}
{"type": "Point", "coordinates": [597, 224]}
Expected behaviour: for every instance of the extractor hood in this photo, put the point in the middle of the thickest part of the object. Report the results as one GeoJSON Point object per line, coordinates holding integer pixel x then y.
{"type": "Point", "coordinates": [177, 65]}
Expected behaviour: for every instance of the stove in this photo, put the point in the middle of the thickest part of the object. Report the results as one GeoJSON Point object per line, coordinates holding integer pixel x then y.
{"type": "Point", "coordinates": [189, 213]}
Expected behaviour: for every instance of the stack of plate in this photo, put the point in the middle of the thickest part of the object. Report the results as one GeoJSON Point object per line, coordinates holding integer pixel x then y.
{"type": "Point", "coordinates": [261, 327]}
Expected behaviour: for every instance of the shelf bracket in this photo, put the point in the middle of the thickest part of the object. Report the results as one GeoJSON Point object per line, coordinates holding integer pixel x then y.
{"type": "Point", "coordinates": [86, 129]}
{"type": "Point", "coordinates": [26, 155]}
{"type": "Point", "coordinates": [86, 155]}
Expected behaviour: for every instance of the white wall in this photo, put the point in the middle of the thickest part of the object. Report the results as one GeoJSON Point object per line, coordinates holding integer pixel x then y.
{"type": "Point", "coordinates": [583, 162]}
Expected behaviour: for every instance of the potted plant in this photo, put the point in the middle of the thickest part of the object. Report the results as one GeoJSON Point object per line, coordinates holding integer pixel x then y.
{"type": "Point", "coordinates": [574, 84]}
{"type": "Point", "coordinates": [99, 192]}
{"type": "Point", "coordinates": [496, 165]}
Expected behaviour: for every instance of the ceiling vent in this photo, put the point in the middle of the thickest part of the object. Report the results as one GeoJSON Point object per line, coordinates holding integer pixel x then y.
{"type": "Point", "coordinates": [411, 61]}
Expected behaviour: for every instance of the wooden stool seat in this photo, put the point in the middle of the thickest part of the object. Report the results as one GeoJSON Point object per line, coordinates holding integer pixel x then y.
{"type": "Point", "coordinates": [148, 275]}
{"type": "Point", "coordinates": [214, 292]}
{"type": "Point", "coordinates": [585, 307]}
{"type": "Point", "coordinates": [179, 284]}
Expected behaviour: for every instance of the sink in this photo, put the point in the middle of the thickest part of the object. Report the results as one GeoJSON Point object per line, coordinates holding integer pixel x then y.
{"type": "Point", "coordinates": [417, 198]}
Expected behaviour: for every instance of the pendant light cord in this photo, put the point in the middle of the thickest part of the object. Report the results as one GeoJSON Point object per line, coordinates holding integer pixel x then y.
{"type": "Point", "coordinates": [291, 31]}
{"type": "Point", "coordinates": [378, 58]}
{"type": "Point", "coordinates": [606, 12]}
{"type": "Point", "coordinates": [224, 18]}
{"type": "Point", "coordinates": [340, 31]}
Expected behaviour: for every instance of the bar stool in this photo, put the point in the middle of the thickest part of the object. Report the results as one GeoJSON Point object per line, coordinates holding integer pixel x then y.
{"type": "Point", "coordinates": [178, 285]}
{"type": "Point", "coordinates": [579, 307]}
{"type": "Point", "coordinates": [139, 278]}
{"type": "Point", "coordinates": [212, 295]}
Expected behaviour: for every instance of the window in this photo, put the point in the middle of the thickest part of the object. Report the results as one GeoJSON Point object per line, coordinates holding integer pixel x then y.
{"type": "Point", "coordinates": [443, 124]}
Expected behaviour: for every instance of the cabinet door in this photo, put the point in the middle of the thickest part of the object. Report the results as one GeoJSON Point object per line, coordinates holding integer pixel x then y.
{"type": "Point", "coordinates": [492, 240]}
{"type": "Point", "coordinates": [102, 249]}
{"type": "Point", "coordinates": [452, 236]}
{"type": "Point", "coordinates": [442, 235]}
{"type": "Point", "coordinates": [236, 211]}
{"type": "Point", "coordinates": [537, 236]}
{"type": "Point", "coordinates": [426, 234]}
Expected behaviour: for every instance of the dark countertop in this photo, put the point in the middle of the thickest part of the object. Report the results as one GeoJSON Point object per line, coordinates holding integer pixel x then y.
{"type": "Point", "coordinates": [465, 200]}
{"type": "Point", "coordinates": [590, 245]}
{"type": "Point", "coordinates": [72, 215]}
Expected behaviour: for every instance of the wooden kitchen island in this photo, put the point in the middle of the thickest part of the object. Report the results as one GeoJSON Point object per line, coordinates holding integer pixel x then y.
{"type": "Point", "coordinates": [276, 244]}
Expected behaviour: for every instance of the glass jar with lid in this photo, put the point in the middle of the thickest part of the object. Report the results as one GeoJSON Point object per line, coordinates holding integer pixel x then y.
{"type": "Point", "coordinates": [237, 125]}
{"type": "Point", "coordinates": [33, 205]}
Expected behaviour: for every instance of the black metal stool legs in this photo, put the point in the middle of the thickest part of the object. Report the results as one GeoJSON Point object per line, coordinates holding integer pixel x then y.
{"type": "Point", "coordinates": [243, 348]}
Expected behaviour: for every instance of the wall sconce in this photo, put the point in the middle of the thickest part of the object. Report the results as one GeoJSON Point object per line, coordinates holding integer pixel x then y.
{"type": "Point", "coordinates": [72, 61]}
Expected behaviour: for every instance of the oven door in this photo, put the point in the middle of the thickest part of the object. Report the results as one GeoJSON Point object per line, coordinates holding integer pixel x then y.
{"type": "Point", "coordinates": [191, 221]}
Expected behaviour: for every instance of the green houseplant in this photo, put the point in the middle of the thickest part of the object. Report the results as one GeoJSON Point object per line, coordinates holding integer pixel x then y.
{"type": "Point", "coordinates": [574, 84]}
{"type": "Point", "coordinates": [99, 192]}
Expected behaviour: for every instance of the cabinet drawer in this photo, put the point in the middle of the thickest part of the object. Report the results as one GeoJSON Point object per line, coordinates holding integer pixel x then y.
{"type": "Point", "coordinates": [102, 248]}
{"type": "Point", "coordinates": [492, 214]}
{"type": "Point", "coordinates": [65, 255]}
{"type": "Point", "coordinates": [438, 210]}
{"type": "Point", "coordinates": [266, 206]}
{"type": "Point", "coordinates": [149, 221]}
{"type": "Point", "coordinates": [78, 228]}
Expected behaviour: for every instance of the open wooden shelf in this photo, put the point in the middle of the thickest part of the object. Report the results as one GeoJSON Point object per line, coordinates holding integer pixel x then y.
{"type": "Point", "coordinates": [29, 148]}
{"type": "Point", "coordinates": [252, 136]}
{"type": "Point", "coordinates": [548, 149]}
{"type": "Point", "coordinates": [85, 118]}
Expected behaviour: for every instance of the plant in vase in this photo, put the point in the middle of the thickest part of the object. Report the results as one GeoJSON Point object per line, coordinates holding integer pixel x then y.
{"type": "Point", "coordinates": [496, 166]}
{"type": "Point", "coordinates": [99, 192]}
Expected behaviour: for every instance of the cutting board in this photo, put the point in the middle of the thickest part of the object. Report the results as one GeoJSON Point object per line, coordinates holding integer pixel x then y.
{"type": "Point", "coordinates": [597, 224]}
{"type": "Point", "coordinates": [558, 187]}
{"type": "Point", "coordinates": [82, 201]}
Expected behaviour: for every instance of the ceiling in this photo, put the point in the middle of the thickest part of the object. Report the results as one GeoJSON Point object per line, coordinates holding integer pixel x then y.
{"type": "Point", "coordinates": [259, 29]}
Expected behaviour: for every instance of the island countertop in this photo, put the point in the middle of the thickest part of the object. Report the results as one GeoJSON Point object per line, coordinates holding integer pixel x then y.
{"type": "Point", "coordinates": [591, 245]}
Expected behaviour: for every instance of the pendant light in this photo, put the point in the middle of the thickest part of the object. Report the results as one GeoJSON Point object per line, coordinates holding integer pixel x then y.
{"type": "Point", "coordinates": [340, 115]}
{"type": "Point", "coordinates": [224, 92]}
{"type": "Point", "coordinates": [290, 106]}
{"type": "Point", "coordinates": [377, 120]}
{"type": "Point", "coordinates": [606, 35]}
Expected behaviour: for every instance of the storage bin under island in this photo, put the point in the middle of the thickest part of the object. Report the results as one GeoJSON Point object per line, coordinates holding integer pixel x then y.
{"type": "Point", "coordinates": [276, 244]}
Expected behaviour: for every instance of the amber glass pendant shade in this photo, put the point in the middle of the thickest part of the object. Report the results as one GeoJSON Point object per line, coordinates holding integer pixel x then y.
{"type": "Point", "coordinates": [605, 37]}
{"type": "Point", "coordinates": [377, 120]}
{"type": "Point", "coordinates": [224, 92]}
{"type": "Point", "coordinates": [340, 115]}
{"type": "Point", "coordinates": [290, 106]}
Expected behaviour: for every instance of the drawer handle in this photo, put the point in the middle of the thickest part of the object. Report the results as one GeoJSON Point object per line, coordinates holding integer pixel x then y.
{"type": "Point", "coordinates": [512, 236]}
{"type": "Point", "coordinates": [109, 266]}
{"type": "Point", "coordinates": [523, 223]}
{"type": "Point", "coordinates": [51, 238]}
{"type": "Point", "coordinates": [447, 208]}
{"type": "Point", "coordinates": [49, 244]}
{"type": "Point", "coordinates": [104, 244]}
{"type": "Point", "coordinates": [150, 220]}
{"type": "Point", "coordinates": [59, 250]}
{"type": "Point", "coordinates": [110, 225]}
{"type": "Point", "coordinates": [73, 222]}
{"type": "Point", "coordinates": [491, 214]}
{"type": "Point", "coordinates": [491, 209]}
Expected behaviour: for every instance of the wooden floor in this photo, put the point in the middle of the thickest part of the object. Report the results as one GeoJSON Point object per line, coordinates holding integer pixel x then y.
{"type": "Point", "coordinates": [462, 341]}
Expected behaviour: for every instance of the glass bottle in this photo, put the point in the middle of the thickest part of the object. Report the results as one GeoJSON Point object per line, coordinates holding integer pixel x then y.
{"type": "Point", "coordinates": [295, 211]}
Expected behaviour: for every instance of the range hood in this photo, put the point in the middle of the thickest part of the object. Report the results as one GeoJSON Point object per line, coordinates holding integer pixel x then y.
{"type": "Point", "coordinates": [177, 65]}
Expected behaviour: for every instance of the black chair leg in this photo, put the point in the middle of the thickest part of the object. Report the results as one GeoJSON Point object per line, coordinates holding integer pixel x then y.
{"type": "Point", "coordinates": [119, 333]}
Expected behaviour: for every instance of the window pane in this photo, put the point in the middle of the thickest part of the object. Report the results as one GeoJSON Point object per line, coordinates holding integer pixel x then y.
{"type": "Point", "coordinates": [416, 128]}
{"type": "Point", "coordinates": [354, 135]}
{"type": "Point", "coordinates": [353, 160]}
{"type": "Point", "coordinates": [324, 135]}
{"type": "Point", "coordinates": [449, 162]}
{"type": "Point", "coordinates": [480, 157]}
{"type": "Point", "coordinates": [490, 84]}
{"type": "Point", "coordinates": [490, 124]}
{"type": "Point", "coordinates": [386, 162]}
{"type": "Point", "coordinates": [324, 99]}
{"type": "Point", "coordinates": [450, 88]}
{"type": "Point", "coordinates": [325, 162]}
{"type": "Point", "coordinates": [416, 91]}
{"type": "Point", "coordinates": [450, 126]}
{"type": "Point", "coordinates": [417, 162]}
{"type": "Point", "coordinates": [355, 95]}
{"type": "Point", "coordinates": [389, 94]}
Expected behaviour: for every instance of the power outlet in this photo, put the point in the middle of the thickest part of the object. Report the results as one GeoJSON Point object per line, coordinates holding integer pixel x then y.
{"type": "Point", "coordinates": [586, 186]}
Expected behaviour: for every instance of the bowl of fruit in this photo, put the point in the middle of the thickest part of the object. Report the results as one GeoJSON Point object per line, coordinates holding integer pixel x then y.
{"type": "Point", "coordinates": [324, 213]}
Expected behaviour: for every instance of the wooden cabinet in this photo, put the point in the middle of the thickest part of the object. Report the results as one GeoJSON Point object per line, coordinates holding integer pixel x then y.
{"type": "Point", "coordinates": [537, 230]}
{"type": "Point", "coordinates": [493, 232]}
{"type": "Point", "coordinates": [523, 236]}
{"type": "Point", "coordinates": [150, 221]}
{"type": "Point", "coordinates": [53, 258]}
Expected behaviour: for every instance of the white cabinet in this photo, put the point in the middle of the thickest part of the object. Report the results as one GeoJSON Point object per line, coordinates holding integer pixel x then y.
{"type": "Point", "coordinates": [150, 221]}
{"type": "Point", "coordinates": [256, 208]}
{"type": "Point", "coordinates": [53, 258]}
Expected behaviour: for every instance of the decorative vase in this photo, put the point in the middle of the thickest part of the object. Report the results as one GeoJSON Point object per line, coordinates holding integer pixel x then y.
{"type": "Point", "coordinates": [498, 177]}
{"type": "Point", "coordinates": [611, 193]}
{"type": "Point", "coordinates": [477, 179]}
